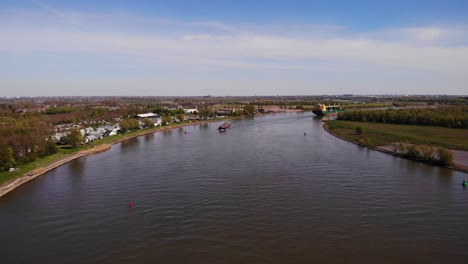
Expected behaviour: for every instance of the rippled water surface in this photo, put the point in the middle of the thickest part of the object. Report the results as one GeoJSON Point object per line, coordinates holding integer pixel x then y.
{"type": "Point", "coordinates": [262, 192]}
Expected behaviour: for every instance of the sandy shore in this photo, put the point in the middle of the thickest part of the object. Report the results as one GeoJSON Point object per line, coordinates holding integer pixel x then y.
{"type": "Point", "coordinates": [460, 157]}
{"type": "Point", "coordinates": [31, 175]}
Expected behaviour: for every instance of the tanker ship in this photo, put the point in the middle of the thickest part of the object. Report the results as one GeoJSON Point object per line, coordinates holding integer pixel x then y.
{"type": "Point", "coordinates": [322, 109]}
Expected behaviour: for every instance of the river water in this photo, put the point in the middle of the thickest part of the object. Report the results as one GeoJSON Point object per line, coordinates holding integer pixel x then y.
{"type": "Point", "coordinates": [262, 192]}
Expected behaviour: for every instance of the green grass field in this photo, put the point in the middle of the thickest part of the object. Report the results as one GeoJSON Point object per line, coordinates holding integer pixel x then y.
{"type": "Point", "coordinates": [380, 134]}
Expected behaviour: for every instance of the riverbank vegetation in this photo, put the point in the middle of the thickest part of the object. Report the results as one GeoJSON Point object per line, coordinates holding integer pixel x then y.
{"type": "Point", "coordinates": [426, 153]}
{"type": "Point", "coordinates": [450, 117]}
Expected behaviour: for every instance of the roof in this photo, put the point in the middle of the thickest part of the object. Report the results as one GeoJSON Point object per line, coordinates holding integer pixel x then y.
{"type": "Point", "coordinates": [146, 115]}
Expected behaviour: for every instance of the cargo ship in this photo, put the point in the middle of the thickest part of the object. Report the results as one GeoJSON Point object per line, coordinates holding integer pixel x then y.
{"type": "Point", "coordinates": [224, 126]}
{"type": "Point", "coordinates": [322, 109]}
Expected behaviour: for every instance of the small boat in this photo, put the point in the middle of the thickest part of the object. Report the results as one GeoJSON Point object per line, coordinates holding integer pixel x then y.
{"type": "Point", "coordinates": [224, 126]}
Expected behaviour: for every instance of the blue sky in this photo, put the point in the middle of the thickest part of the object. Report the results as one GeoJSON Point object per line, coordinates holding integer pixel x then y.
{"type": "Point", "coordinates": [232, 47]}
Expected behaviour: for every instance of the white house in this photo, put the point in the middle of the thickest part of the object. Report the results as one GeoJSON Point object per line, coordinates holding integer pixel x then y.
{"type": "Point", "coordinates": [113, 132]}
{"type": "Point", "coordinates": [158, 122]}
{"type": "Point", "coordinates": [58, 136]}
{"type": "Point", "coordinates": [191, 110]}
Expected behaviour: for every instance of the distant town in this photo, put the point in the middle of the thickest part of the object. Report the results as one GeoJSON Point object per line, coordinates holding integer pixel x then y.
{"type": "Point", "coordinates": [36, 127]}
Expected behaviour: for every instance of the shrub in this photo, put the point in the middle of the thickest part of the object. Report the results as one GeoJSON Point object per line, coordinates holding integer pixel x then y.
{"type": "Point", "coordinates": [445, 156]}
{"type": "Point", "coordinates": [412, 153]}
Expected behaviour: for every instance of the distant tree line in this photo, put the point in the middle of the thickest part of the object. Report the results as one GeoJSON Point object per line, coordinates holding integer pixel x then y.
{"type": "Point", "coordinates": [60, 110]}
{"type": "Point", "coordinates": [451, 117]}
{"type": "Point", "coordinates": [434, 100]}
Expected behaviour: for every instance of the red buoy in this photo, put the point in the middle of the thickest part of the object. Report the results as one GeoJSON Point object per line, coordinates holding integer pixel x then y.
{"type": "Point", "coordinates": [130, 204]}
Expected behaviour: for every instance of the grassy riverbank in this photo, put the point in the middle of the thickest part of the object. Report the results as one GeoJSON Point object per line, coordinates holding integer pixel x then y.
{"type": "Point", "coordinates": [421, 143]}
{"type": "Point", "coordinates": [64, 152]}
{"type": "Point", "coordinates": [380, 134]}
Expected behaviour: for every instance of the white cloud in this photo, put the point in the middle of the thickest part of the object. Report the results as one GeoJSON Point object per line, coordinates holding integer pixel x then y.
{"type": "Point", "coordinates": [215, 44]}
{"type": "Point", "coordinates": [427, 34]}
{"type": "Point", "coordinates": [431, 33]}
{"type": "Point", "coordinates": [195, 37]}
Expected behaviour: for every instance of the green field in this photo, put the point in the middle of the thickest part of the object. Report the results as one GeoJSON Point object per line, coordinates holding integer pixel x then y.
{"type": "Point", "coordinates": [380, 134]}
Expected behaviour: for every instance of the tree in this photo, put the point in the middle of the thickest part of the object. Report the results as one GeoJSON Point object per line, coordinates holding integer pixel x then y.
{"type": "Point", "coordinates": [124, 125]}
{"type": "Point", "coordinates": [148, 123]}
{"type": "Point", "coordinates": [249, 110]}
{"type": "Point", "coordinates": [7, 160]}
{"type": "Point", "coordinates": [74, 137]}
{"type": "Point", "coordinates": [166, 120]}
{"type": "Point", "coordinates": [445, 157]}
{"type": "Point", "coordinates": [205, 111]}
{"type": "Point", "coordinates": [49, 148]}
{"type": "Point", "coordinates": [129, 124]}
{"type": "Point", "coordinates": [181, 117]}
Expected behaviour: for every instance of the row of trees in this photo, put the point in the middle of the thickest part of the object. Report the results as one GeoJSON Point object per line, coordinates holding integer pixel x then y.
{"type": "Point", "coordinates": [129, 124]}
{"type": "Point", "coordinates": [167, 112]}
{"type": "Point", "coordinates": [452, 117]}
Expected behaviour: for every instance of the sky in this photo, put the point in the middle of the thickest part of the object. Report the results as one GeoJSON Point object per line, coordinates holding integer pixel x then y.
{"type": "Point", "coordinates": [230, 48]}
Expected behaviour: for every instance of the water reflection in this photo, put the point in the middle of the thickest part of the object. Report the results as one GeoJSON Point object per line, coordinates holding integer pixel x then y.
{"type": "Point", "coordinates": [149, 137]}
{"type": "Point", "coordinates": [130, 143]}
{"type": "Point", "coordinates": [414, 166]}
{"type": "Point", "coordinates": [167, 133]}
{"type": "Point", "coordinates": [445, 173]}
{"type": "Point", "coordinates": [78, 166]}
{"type": "Point", "coordinates": [444, 176]}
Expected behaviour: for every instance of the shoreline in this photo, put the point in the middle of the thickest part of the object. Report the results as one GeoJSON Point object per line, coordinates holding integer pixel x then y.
{"type": "Point", "coordinates": [456, 166]}
{"type": "Point", "coordinates": [33, 174]}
